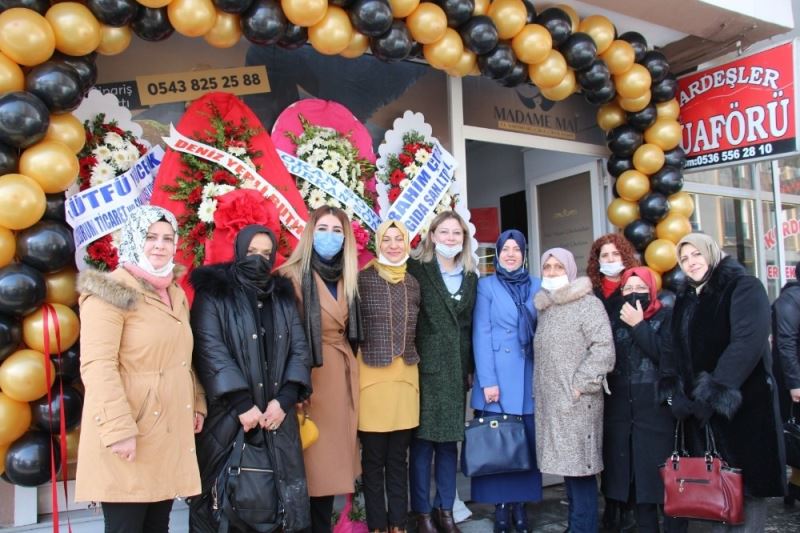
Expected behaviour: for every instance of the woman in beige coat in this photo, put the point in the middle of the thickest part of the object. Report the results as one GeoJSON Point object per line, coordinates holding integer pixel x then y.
{"type": "Point", "coordinates": [142, 405]}
{"type": "Point", "coordinates": [324, 269]}
{"type": "Point", "coordinates": [574, 350]}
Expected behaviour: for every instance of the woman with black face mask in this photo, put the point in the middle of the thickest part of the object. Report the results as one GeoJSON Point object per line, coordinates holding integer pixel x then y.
{"type": "Point", "coordinates": [252, 357]}
{"type": "Point", "coordinates": [638, 431]}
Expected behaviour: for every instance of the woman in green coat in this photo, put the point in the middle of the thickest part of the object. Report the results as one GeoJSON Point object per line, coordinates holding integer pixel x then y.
{"type": "Point", "coordinates": [445, 270]}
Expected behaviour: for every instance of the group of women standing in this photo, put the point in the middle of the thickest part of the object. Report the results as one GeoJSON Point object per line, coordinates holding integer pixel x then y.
{"type": "Point", "coordinates": [385, 356]}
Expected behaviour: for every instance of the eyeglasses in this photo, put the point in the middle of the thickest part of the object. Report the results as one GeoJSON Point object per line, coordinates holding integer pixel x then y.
{"type": "Point", "coordinates": [636, 288]}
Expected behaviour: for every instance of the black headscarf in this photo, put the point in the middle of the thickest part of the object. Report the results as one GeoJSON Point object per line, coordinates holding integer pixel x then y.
{"type": "Point", "coordinates": [518, 286]}
{"type": "Point", "coordinates": [254, 271]}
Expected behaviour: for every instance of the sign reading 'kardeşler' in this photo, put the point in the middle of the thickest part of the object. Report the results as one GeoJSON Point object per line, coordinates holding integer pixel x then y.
{"type": "Point", "coordinates": [742, 110]}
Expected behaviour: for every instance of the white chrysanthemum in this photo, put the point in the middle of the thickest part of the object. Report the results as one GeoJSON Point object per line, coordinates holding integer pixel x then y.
{"type": "Point", "coordinates": [336, 156]}
{"type": "Point", "coordinates": [102, 153]}
{"type": "Point", "coordinates": [404, 183]}
{"type": "Point", "coordinates": [327, 133]}
{"type": "Point", "coordinates": [116, 238]}
{"type": "Point", "coordinates": [316, 199]}
{"type": "Point", "coordinates": [330, 166]}
{"type": "Point", "coordinates": [133, 152]}
{"type": "Point", "coordinates": [303, 149]}
{"type": "Point", "coordinates": [411, 170]}
{"type": "Point", "coordinates": [206, 210]}
{"type": "Point", "coordinates": [101, 173]}
{"type": "Point", "coordinates": [209, 190]}
{"type": "Point", "coordinates": [360, 187]}
{"type": "Point", "coordinates": [224, 189]}
{"type": "Point", "coordinates": [320, 155]}
{"type": "Point", "coordinates": [305, 189]}
{"type": "Point", "coordinates": [349, 211]}
{"type": "Point", "coordinates": [446, 199]}
{"type": "Point", "coordinates": [333, 202]}
{"type": "Point", "coordinates": [422, 156]}
{"type": "Point", "coordinates": [237, 150]}
{"type": "Point", "coordinates": [121, 160]}
{"type": "Point", "coordinates": [114, 140]}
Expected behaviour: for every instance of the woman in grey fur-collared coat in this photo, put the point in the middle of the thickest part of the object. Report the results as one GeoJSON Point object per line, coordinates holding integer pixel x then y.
{"type": "Point", "coordinates": [574, 351]}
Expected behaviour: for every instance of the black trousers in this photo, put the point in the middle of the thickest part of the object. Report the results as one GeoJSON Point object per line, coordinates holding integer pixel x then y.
{"type": "Point", "coordinates": [384, 465]}
{"type": "Point", "coordinates": [137, 517]}
{"type": "Point", "coordinates": [321, 514]}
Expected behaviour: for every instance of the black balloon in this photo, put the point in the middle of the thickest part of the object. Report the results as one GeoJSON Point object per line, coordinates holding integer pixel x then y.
{"type": "Point", "coordinates": [113, 12]}
{"type": "Point", "coordinates": [457, 11]}
{"type": "Point", "coordinates": [394, 45]}
{"type": "Point", "coordinates": [479, 34]}
{"type": "Point", "coordinates": [152, 24]}
{"type": "Point", "coordinates": [293, 37]}
{"type": "Point", "coordinates": [40, 6]}
{"type": "Point", "coordinates": [557, 23]}
{"type": "Point", "coordinates": [638, 42]}
{"type": "Point", "coordinates": [653, 207]}
{"type": "Point", "coordinates": [593, 77]}
{"type": "Point", "coordinates": [9, 159]}
{"type": "Point", "coordinates": [55, 207]}
{"type": "Point", "coordinates": [373, 18]}
{"type": "Point", "coordinates": [624, 140]}
{"type": "Point", "coordinates": [640, 233]}
{"type": "Point", "coordinates": [656, 63]}
{"type": "Point", "coordinates": [56, 84]}
{"type": "Point", "coordinates": [416, 50]}
{"type": "Point", "coordinates": [28, 459]}
{"type": "Point", "coordinates": [666, 297]}
{"type": "Point", "coordinates": [602, 95]}
{"type": "Point", "coordinates": [233, 6]}
{"type": "Point", "coordinates": [264, 23]}
{"type": "Point", "coordinates": [497, 63]}
{"type": "Point", "coordinates": [23, 119]}
{"type": "Point", "coordinates": [579, 50]}
{"type": "Point", "coordinates": [518, 75]}
{"type": "Point", "coordinates": [47, 246]}
{"type": "Point", "coordinates": [47, 415]}
{"type": "Point", "coordinates": [643, 119]}
{"type": "Point", "coordinates": [668, 180]}
{"type": "Point", "coordinates": [675, 157]}
{"type": "Point", "coordinates": [83, 65]}
{"type": "Point", "coordinates": [675, 280]}
{"type": "Point", "coordinates": [341, 3]}
{"type": "Point", "coordinates": [531, 9]}
{"type": "Point", "coordinates": [68, 366]}
{"type": "Point", "coordinates": [616, 165]}
{"type": "Point", "coordinates": [22, 289]}
{"type": "Point", "coordinates": [10, 335]}
{"type": "Point", "coordinates": [664, 90]}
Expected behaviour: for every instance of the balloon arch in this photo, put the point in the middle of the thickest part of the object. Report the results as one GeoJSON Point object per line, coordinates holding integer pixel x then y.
{"type": "Point", "coordinates": [47, 65]}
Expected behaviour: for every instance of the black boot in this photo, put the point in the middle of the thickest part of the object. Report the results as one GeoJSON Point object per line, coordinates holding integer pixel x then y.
{"type": "Point", "coordinates": [520, 516]}
{"type": "Point", "coordinates": [501, 521]}
{"type": "Point", "coordinates": [610, 520]}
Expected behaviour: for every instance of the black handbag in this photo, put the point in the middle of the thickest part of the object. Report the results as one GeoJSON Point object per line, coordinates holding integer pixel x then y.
{"type": "Point", "coordinates": [791, 436]}
{"type": "Point", "coordinates": [495, 444]}
{"type": "Point", "coordinates": [244, 495]}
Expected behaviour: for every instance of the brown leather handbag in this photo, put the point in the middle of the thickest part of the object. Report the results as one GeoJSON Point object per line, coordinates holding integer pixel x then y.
{"type": "Point", "coordinates": [703, 488]}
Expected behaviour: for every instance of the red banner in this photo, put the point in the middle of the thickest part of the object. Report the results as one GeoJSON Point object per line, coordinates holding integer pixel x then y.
{"type": "Point", "coordinates": [742, 110]}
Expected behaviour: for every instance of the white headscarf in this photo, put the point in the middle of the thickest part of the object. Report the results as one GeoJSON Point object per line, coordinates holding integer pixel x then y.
{"type": "Point", "coordinates": [134, 235]}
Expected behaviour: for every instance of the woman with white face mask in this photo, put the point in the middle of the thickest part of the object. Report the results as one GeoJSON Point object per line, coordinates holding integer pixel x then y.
{"type": "Point", "coordinates": [574, 351]}
{"type": "Point", "coordinates": [609, 257]}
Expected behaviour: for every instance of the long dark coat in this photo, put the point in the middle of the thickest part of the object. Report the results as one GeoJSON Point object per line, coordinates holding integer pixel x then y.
{"type": "Point", "coordinates": [228, 359]}
{"type": "Point", "coordinates": [786, 343]}
{"type": "Point", "coordinates": [637, 428]}
{"type": "Point", "coordinates": [721, 356]}
{"type": "Point", "coordinates": [444, 345]}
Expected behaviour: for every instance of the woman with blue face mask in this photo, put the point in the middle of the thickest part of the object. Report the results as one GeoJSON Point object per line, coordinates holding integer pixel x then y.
{"type": "Point", "coordinates": [324, 270]}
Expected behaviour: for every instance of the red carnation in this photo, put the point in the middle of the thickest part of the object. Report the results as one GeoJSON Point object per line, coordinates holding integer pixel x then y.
{"type": "Point", "coordinates": [196, 196]}
{"type": "Point", "coordinates": [394, 193]}
{"type": "Point", "coordinates": [415, 241]}
{"type": "Point", "coordinates": [396, 177]}
{"type": "Point", "coordinates": [405, 159]}
{"type": "Point", "coordinates": [223, 177]}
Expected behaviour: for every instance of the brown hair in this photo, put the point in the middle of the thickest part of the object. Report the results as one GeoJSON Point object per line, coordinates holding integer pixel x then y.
{"type": "Point", "coordinates": [625, 248]}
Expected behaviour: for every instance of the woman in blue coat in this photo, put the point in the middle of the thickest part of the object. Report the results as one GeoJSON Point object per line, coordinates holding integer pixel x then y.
{"type": "Point", "coordinates": [503, 325]}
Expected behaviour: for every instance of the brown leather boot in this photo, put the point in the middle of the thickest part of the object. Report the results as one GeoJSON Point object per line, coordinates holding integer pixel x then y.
{"type": "Point", "coordinates": [444, 521]}
{"type": "Point", "coordinates": [425, 523]}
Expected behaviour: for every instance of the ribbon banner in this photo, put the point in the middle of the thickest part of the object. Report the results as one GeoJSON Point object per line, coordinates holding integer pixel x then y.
{"type": "Point", "coordinates": [417, 201]}
{"type": "Point", "coordinates": [289, 217]}
{"type": "Point", "coordinates": [102, 209]}
{"type": "Point", "coordinates": [331, 186]}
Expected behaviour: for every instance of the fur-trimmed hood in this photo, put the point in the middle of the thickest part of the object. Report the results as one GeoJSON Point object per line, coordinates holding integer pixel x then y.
{"type": "Point", "coordinates": [574, 291]}
{"type": "Point", "coordinates": [119, 288]}
{"type": "Point", "coordinates": [219, 281]}
{"type": "Point", "coordinates": [728, 270]}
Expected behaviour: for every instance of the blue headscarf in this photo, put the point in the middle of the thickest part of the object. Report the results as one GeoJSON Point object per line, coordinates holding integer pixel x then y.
{"type": "Point", "coordinates": [518, 285]}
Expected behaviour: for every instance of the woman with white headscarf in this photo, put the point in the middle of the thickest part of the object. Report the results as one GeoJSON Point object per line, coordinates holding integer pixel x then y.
{"type": "Point", "coordinates": [574, 351]}
{"type": "Point", "coordinates": [142, 405]}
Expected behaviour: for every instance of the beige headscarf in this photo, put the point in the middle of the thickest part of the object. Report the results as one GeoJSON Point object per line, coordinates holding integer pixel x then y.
{"type": "Point", "coordinates": [708, 248]}
{"type": "Point", "coordinates": [391, 273]}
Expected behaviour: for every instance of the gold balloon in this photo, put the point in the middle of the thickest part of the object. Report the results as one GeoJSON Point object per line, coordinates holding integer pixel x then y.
{"type": "Point", "coordinates": [226, 31]}
{"type": "Point", "coordinates": [573, 15]}
{"type": "Point", "coordinates": [681, 203]}
{"type": "Point", "coordinates": [114, 40]}
{"type": "Point", "coordinates": [11, 76]}
{"type": "Point", "coordinates": [563, 90]}
{"type": "Point", "coordinates": [609, 116]}
{"type": "Point", "coordinates": [403, 8]}
{"type": "Point", "coordinates": [8, 246]}
{"type": "Point", "coordinates": [622, 212]}
{"type": "Point", "coordinates": [656, 278]}
{"type": "Point", "coordinates": [33, 328]}
{"type": "Point", "coordinates": [549, 72]}
{"type": "Point", "coordinates": [509, 17]}
{"type": "Point", "coordinates": [619, 57]}
{"type": "Point", "coordinates": [632, 185]}
{"type": "Point", "coordinates": [61, 287]}
{"type": "Point", "coordinates": [532, 44]}
{"type": "Point", "coordinates": [192, 18]}
{"type": "Point", "coordinates": [648, 158]}
{"type": "Point", "coordinates": [481, 7]}
{"type": "Point", "coordinates": [22, 201]}
{"type": "Point", "coordinates": [73, 439]}
{"type": "Point", "coordinates": [446, 52]}
{"type": "Point", "coordinates": [427, 24]}
{"type": "Point", "coordinates": [77, 31]}
{"type": "Point", "coordinates": [15, 419]}
{"type": "Point", "coordinates": [465, 64]}
{"type": "Point", "coordinates": [673, 227]}
{"type": "Point", "coordinates": [600, 29]}
{"type": "Point", "coordinates": [660, 255]}
{"type": "Point", "coordinates": [665, 133]}
{"type": "Point", "coordinates": [23, 376]}
{"type": "Point", "coordinates": [634, 105]}
{"type": "Point", "coordinates": [634, 82]}
{"type": "Point", "coordinates": [304, 13]}
{"type": "Point", "coordinates": [3, 452]}
{"type": "Point", "coordinates": [357, 46]}
{"type": "Point", "coordinates": [332, 34]}
{"type": "Point", "coordinates": [66, 128]}
{"type": "Point", "coordinates": [155, 4]}
{"type": "Point", "coordinates": [26, 37]}
{"type": "Point", "coordinates": [52, 164]}
{"type": "Point", "coordinates": [668, 109]}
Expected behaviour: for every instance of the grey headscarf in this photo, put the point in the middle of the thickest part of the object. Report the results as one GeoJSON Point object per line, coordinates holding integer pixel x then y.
{"type": "Point", "coordinates": [564, 257]}
{"type": "Point", "coordinates": [134, 234]}
{"type": "Point", "coordinates": [708, 248]}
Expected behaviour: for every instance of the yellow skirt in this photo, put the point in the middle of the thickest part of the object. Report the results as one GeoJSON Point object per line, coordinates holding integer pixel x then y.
{"type": "Point", "coordinates": [389, 396]}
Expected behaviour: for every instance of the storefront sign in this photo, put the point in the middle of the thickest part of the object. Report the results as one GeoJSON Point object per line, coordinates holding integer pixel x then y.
{"type": "Point", "coordinates": [788, 272]}
{"type": "Point", "coordinates": [742, 110]}
{"type": "Point", "coordinates": [187, 86]}
{"type": "Point", "coordinates": [126, 92]}
{"type": "Point", "coordinates": [789, 228]}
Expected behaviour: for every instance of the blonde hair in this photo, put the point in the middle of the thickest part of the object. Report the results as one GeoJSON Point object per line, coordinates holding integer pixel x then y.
{"type": "Point", "coordinates": [426, 251]}
{"type": "Point", "coordinates": [299, 263]}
